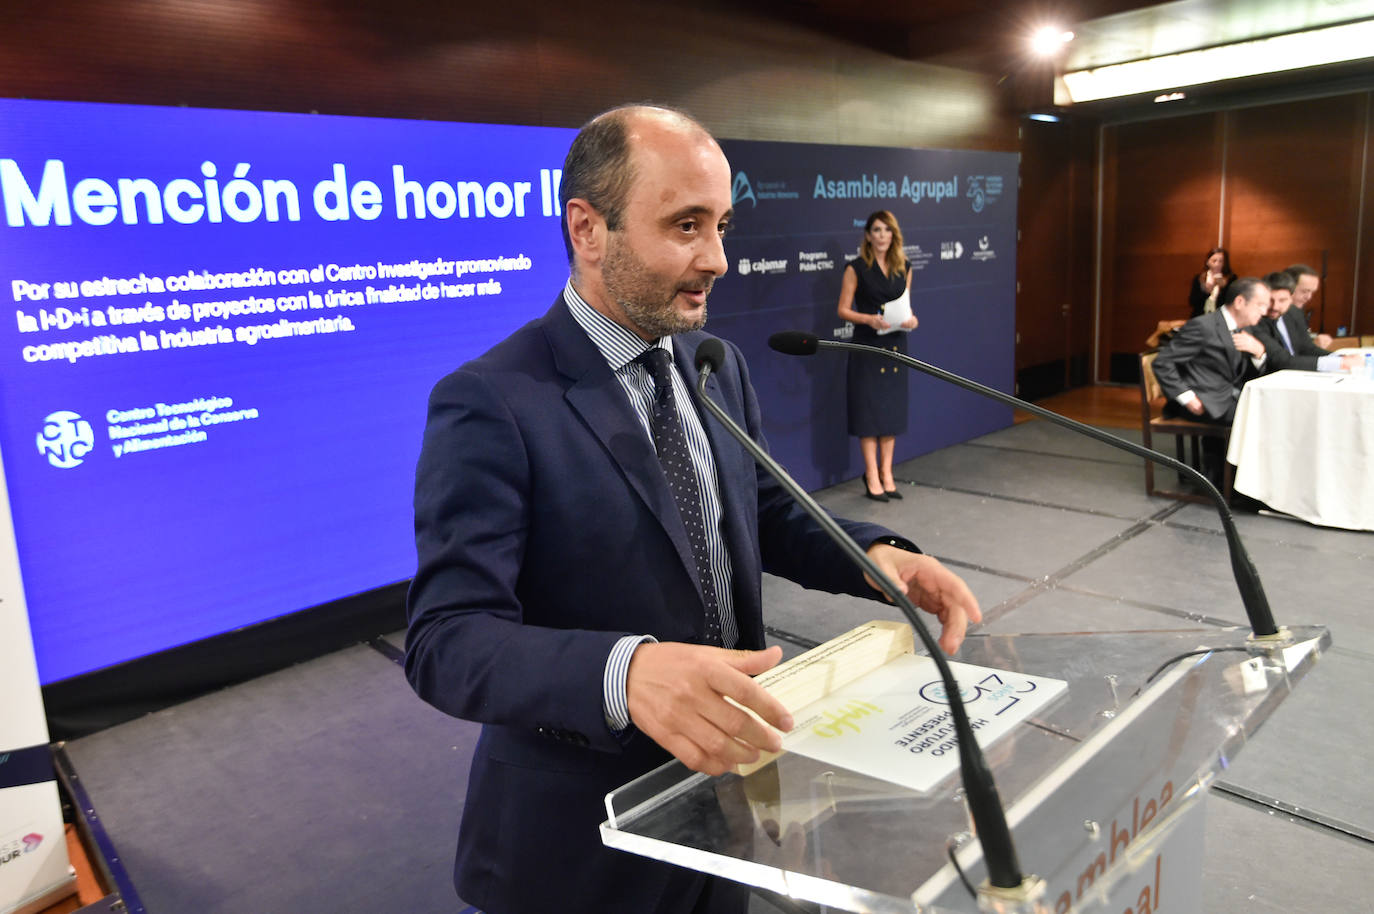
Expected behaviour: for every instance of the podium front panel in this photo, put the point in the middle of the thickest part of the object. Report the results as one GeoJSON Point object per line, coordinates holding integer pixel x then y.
{"type": "Point", "coordinates": [1093, 784]}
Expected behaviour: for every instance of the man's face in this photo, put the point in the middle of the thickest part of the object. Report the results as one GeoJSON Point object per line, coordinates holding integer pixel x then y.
{"type": "Point", "coordinates": [1307, 287]}
{"type": "Point", "coordinates": [660, 265]}
{"type": "Point", "coordinates": [1247, 311]}
{"type": "Point", "coordinates": [1279, 301]}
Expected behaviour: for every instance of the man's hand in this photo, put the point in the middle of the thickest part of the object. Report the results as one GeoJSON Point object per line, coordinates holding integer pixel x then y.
{"type": "Point", "coordinates": [933, 588]}
{"type": "Point", "coordinates": [677, 693]}
{"type": "Point", "coordinates": [1247, 343]}
{"type": "Point", "coordinates": [1323, 340]}
{"type": "Point", "coordinates": [1352, 362]}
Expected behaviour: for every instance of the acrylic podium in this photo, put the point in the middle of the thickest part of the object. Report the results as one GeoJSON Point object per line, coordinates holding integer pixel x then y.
{"type": "Point", "coordinates": [1102, 788]}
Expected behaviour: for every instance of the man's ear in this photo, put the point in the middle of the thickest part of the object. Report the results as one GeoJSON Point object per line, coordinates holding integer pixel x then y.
{"type": "Point", "coordinates": [587, 231]}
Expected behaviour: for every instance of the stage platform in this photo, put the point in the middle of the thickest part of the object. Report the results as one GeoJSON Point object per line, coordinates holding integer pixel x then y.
{"type": "Point", "coordinates": [330, 787]}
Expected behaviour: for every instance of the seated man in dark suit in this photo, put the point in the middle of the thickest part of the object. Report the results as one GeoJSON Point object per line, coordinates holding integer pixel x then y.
{"type": "Point", "coordinates": [1306, 283]}
{"type": "Point", "coordinates": [1283, 331]}
{"type": "Point", "coordinates": [1202, 369]}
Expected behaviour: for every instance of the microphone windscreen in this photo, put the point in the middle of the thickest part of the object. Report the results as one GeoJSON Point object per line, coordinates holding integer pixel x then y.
{"type": "Point", "coordinates": [793, 342]}
{"type": "Point", "coordinates": [711, 352]}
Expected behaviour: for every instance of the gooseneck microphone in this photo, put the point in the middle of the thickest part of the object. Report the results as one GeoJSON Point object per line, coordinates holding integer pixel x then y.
{"type": "Point", "coordinates": [984, 804]}
{"type": "Point", "coordinates": [795, 342]}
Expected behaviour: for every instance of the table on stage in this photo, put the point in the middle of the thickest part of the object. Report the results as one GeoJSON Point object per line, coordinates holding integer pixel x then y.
{"type": "Point", "coordinates": [1303, 443]}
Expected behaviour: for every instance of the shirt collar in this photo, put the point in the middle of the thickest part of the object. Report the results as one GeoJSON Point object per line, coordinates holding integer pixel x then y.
{"type": "Point", "coordinates": [1230, 320]}
{"type": "Point", "coordinates": [617, 345]}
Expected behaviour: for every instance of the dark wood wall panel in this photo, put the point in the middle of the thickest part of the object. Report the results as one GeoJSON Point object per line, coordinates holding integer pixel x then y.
{"type": "Point", "coordinates": [1043, 255]}
{"type": "Point", "coordinates": [1293, 191]}
{"type": "Point", "coordinates": [1161, 213]}
{"type": "Point", "coordinates": [1292, 176]}
{"type": "Point", "coordinates": [541, 62]}
{"type": "Point", "coordinates": [1054, 268]}
{"type": "Point", "coordinates": [1363, 321]}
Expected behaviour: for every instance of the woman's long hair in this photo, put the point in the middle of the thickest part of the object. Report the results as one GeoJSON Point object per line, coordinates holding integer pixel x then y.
{"type": "Point", "coordinates": [896, 259]}
{"type": "Point", "coordinates": [1226, 270]}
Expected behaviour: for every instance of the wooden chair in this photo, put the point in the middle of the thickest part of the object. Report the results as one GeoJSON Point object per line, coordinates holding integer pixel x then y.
{"type": "Point", "coordinates": [1152, 422]}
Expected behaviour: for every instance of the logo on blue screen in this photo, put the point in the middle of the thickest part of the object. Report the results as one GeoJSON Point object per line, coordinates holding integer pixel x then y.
{"type": "Point", "coordinates": [66, 439]}
{"type": "Point", "coordinates": [983, 190]}
{"type": "Point", "coordinates": [742, 191]}
{"type": "Point", "coordinates": [976, 193]}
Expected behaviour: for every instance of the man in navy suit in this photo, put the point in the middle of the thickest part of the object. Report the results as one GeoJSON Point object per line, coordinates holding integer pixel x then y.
{"type": "Point", "coordinates": [560, 599]}
{"type": "Point", "coordinates": [1283, 330]}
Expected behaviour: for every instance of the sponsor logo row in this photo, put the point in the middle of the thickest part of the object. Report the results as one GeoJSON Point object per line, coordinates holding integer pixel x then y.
{"type": "Point", "coordinates": [980, 191]}
{"type": "Point", "coordinates": [979, 250]}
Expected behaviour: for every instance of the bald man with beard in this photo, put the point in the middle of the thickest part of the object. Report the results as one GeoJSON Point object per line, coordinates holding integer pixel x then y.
{"type": "Point", "coordinates": [591, 546]}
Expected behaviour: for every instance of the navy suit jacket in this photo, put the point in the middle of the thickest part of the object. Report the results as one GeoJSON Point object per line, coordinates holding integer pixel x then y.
{"type": "Point", "coordinates": [545, 531]}
{"type": "Point", "coordinates": [1305, 352]}
{"type": "Point", "coordinates": [1202, 358]}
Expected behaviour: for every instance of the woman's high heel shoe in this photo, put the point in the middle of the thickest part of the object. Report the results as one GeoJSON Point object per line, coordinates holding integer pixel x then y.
{"type": "Point", "coordinates": [881, 496]}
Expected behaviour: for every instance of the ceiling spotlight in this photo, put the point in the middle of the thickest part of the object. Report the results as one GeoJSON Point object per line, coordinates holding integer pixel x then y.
{"type": "Point", "coordinates": [1049, 40]}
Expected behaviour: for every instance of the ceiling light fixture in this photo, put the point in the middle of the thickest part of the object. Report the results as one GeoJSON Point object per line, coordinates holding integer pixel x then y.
{"type": "Point", "coordinates": [1049, 40]}
{"type": "Point", "coordinates": [1335, 44]}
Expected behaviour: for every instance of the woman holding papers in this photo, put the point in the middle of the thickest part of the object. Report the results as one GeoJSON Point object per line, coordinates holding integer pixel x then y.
{"type": "Point", "coordinates": [875, 296]}
{"type": "Point", "coordinates": [1209, 286]}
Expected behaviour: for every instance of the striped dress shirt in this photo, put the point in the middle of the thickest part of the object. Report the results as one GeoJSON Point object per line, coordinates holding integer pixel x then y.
{"type": "Point", "coordinates": [620, 347]}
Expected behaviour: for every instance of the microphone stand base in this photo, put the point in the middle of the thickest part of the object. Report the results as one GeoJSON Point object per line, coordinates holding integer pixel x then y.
{"type": "Point", "coordinates": [1026, 898]}
{"type": "Point", "coordinates": [1280, 638]}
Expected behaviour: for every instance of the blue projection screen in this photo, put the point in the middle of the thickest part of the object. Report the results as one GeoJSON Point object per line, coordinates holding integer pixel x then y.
{"type": "Point", "coordinates": [224, 329]}
{"type": "Point", "coordinates": [226, 326]}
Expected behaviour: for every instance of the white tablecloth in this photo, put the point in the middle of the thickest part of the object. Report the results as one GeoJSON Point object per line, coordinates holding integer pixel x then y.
{"type": "Point", "coordinates": [1303, 443]}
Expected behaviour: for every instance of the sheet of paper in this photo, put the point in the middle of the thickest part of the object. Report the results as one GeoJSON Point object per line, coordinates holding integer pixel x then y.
{"type": "Point", "coordinates": [895, 724]}
{"type": "Point", "coordinates": [896, 311]}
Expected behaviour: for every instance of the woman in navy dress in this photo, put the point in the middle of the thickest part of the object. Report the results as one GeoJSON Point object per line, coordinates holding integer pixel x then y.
{"type": "Point", "coordinates": [877, 388]}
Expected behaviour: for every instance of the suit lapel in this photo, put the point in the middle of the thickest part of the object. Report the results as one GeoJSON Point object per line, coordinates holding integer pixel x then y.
{"type": "Point", "coordinates": [1236, 357]}
{"type": "Point", "coordinates": [726, 451]}
{"type": "Point", "coordinates": [597, 397]}
{"type": "Point", "coordinates": [1295, 326]}
{"type": "Point", "coordinates": [730, 457]}
{"type": "Point", "coordinates": [736, 475]}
